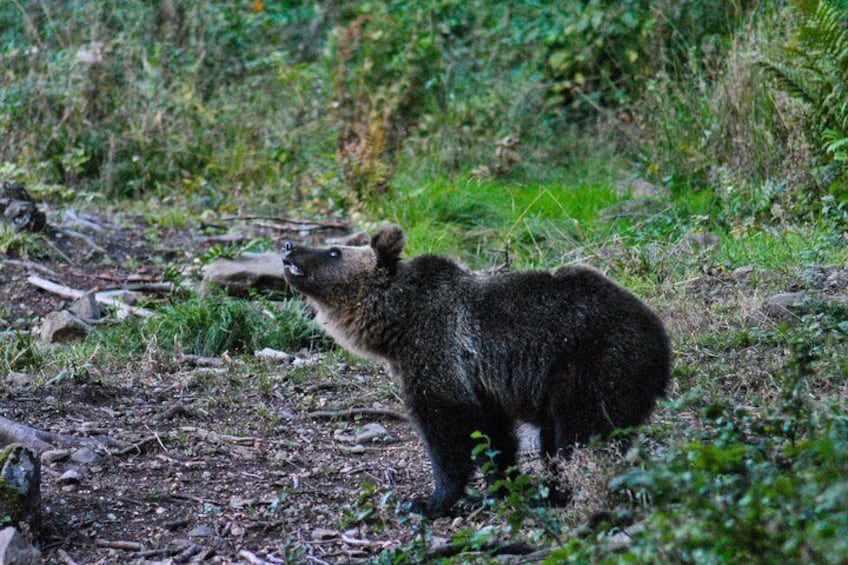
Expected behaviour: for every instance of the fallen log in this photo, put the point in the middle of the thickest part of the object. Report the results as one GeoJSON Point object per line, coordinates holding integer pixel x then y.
{"type": "Point", "coordinates": [105, 297]}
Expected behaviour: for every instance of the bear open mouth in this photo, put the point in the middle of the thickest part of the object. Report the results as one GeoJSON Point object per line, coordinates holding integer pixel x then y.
{"type": "Point", "coordinates": [293, 269]}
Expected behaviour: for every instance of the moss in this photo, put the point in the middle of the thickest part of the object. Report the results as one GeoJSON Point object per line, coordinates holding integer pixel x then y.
{"type": "Point", "coordinates": [20, 485]}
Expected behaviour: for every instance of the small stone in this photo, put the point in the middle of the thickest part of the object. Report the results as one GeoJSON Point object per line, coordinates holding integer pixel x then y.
{"type": "Point", "coordinates": [742, 272]}
{"type": "Point", "coordinates": [785, 306]}
{"type": "Point", "coordinates": [14, 549]}
{"type": "Point", "coordinates": [837, 280]}
{"type": "Point", "coordinates": [323, 534]}
{"type": "Point", "coordinates": [70, 477]}
{"type": "Point", "coordinates": [62, 326]}
{"type": "Point", "coordinates": [202, 531]}
{"type": "Point", "coordinates": [250, 271]}
{"type": "Point", "coordinates": [268, 354]}
{"type": "Point", "coordinates": [86, 308]}
{"type": "Point", "coordinates": [85, 456]}
{"type": "Point", "coordinates": [55, 455]}
{"type": "Point", "coordinates": [372, 432]}
{"type": "Point", "coordinates": [19, 380]}
{"type": "Point", "coordinates": [239, 502]}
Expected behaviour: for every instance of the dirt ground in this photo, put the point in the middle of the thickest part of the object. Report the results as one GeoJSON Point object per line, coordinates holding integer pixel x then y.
{"type": "Point", "coordinates": [225, 460]}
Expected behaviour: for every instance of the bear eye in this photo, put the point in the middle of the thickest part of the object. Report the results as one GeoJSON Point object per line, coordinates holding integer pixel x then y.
{"type": "Point", "coordinates": [335, 252]}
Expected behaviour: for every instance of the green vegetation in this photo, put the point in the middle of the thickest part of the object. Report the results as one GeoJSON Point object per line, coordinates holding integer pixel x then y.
{"type": "Point", "coordinates": [675, 145]}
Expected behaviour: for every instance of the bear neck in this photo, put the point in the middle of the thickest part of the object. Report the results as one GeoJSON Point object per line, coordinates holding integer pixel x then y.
{"type": "Point", "coordinates": [398, 313]}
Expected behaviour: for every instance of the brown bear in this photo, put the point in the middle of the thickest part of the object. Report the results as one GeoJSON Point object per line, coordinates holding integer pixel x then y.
{"type": "Point", "coordinates": [569, 351]}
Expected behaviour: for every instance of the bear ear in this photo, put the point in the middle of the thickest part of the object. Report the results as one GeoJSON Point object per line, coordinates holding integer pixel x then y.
{"type": "Point", "coordinates": [388, 244]}
{"type": "Point", "coordinates": [358, 239]}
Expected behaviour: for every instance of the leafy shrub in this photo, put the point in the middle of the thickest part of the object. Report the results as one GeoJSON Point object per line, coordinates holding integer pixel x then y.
{"type": "Point", "coordinates": [142, 96]}
{"type": "Point", "coordinates": [600, 52]}
{"type": "Point", "coordinates": [814, 69]}
{"type": "Point", "coordinates": [761, 488]}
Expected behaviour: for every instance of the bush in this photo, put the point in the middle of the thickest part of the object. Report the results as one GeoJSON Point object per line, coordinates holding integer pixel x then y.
{"type": "Point", "coordinates": [156, 96]}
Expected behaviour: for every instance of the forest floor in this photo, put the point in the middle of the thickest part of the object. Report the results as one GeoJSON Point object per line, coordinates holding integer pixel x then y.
{"type": "Point", "coordinates": [238, 459]}
{"type": "Point", "coordinates": [226, 458]}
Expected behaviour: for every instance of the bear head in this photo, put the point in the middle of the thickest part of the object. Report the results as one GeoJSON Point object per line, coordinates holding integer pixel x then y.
{"type": "Point", "coordinates": [334, 276]}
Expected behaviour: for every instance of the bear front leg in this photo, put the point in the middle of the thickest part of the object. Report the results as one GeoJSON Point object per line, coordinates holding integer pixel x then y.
{"type": "Point", "coordinates": [447, 436]}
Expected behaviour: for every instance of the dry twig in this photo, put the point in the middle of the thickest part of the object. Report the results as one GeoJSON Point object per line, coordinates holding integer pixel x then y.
{"type": "Point", "coordinates": [353, 412]}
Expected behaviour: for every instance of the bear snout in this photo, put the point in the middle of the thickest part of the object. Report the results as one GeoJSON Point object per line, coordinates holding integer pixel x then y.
{"type": "Point", "coordinates": [288, 264]}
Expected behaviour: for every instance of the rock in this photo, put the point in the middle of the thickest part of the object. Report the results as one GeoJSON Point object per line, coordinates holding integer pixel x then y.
{"type": "Point", "coordinates": [55, 456]}
{"type": "Point", "coordinates": [785, 306]}
{"type": "Point", "coordinates": [372, 432]}
{"type": "Point", "coordinates": [268, 354]}
{"type": "Point", "coordinates": [202, 531]}
{"type": "Point", "coordinates": [84, 456]}
{"type": "Point", "coordinates": [70, 477]}
{"type": "Point", "coordinates": [837, 280]}
{"type": "Point", "coordinates": [20, 484]}
{"type": "Point", "coordinates": [15, 550]}
{"type": "Point", "coordinates": [18, 380]}
{"type": "Point", "coordinates": [324, 534]}
{"type": "Point", "coordinates": [18, 209]}
{"type": "Point", "coordinates": [86, 308]}
{"type": "Point", "coordinates": [62, 326]}
{"type": "Point", "coordinates": [814, 276]}
{"type": "Point", "coordinates": [742, 272]}
{"type": "Point", "coordinates": [250, 271]}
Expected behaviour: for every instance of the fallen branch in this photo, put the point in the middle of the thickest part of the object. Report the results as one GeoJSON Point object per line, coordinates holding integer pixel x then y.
{"type": "Point", "coordinates": [31, 265]}
{"type": "Point", "coordinates": [119, 544]}
{"type": "Point", "coordinates": [215, 437]}
{"type": "Point", "coordinates": [40, 441]}
{"type": "Point", "coordinates": [86, 239]}
{"type": "Point", "coordinates": [303, 223]}
{"type": "Point", "coordinates": [13, 432]}
{"type": "Point", "coordinates": [251, 557]}
{"type": "Point", "coordinates": [103, 297]}
{"type": "Point", "coordinates": [137, 445]}
{"type": "Point", "coordinates": [353, 412]}
{"type": "Point", "coordinates": [55, 288]}
{"type": "Point", "coordinates": [196, 499]}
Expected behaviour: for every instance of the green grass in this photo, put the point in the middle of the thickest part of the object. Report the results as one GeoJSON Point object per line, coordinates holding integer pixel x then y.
{"type": "Point", "coordinates": [217, 324]}
{"type": "Point", "coordinates": [475, 219]}
{"type": "Point", "coordinates": [783, 246]}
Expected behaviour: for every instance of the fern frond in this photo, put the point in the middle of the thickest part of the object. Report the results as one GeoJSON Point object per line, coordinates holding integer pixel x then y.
{"type": "Point", "coordinates": [794, 81]}
{"type": "Point", "coordinates": [828, 31]}
{"type": "Point", "coordinates": [836, 144]}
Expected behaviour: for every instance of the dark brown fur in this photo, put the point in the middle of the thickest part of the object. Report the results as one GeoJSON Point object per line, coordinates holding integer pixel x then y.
{"type": "Point", "coordinates": [569, 350]}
